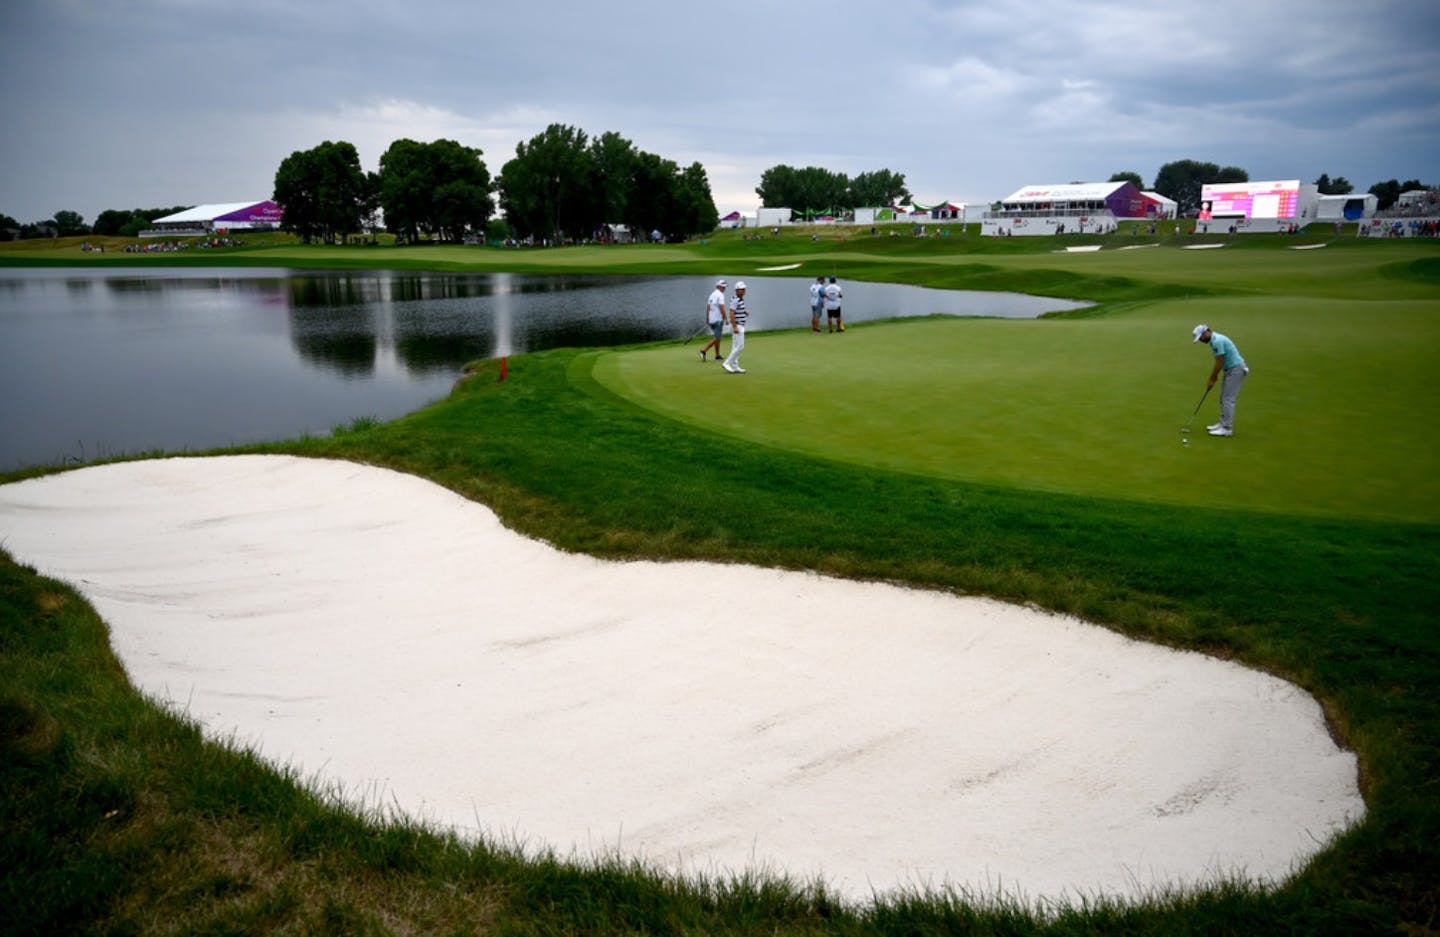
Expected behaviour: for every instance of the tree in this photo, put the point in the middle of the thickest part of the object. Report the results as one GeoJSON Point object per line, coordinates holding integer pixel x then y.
{"type": "Point", "coordinates": [561, 185]}
{"type": "Point", "coordinates": [324, 192]}
{"type": "Point", "coordinates": [439, 188]}
{"type": "Point", "coordinates": [109, 222]}
{"type": "Point", "coordinates": [1337, 186]}
{"type": "Point", "coordinates": [614, 161]}
{"type": "Point", "coordinates": [807, 190]}
{"type": "Point", "coordinates": [874, 189]}
{"type": "Point", "coordinates": [70, 224]}
{"type": "Point", "coordinates": [1182, 181]}
{"type": "Point", "coordinates": [1128, 177]}
{"type": "Point", "coordinates": [548, 189]}
{"type": "Point", "coordinates": [695, 206]}
{"type": "Point", "coordinates": [652, 197]}
{"type": "Point", "coordinates": [1388, 193]}
{"type": "Point", "coordinates": [9, 228]}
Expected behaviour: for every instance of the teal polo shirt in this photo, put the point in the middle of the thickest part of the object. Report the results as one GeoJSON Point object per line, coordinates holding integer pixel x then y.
{"type": "Point", "coordinates": [1224, 348]}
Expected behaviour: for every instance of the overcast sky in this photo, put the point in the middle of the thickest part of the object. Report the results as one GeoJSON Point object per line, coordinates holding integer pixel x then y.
{"type": "Point", "coordinates": [153, 103]}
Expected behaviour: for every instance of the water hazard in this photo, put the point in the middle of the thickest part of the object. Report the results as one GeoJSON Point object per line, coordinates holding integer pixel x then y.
{"type": "Point", "coordinates": [102, 363]}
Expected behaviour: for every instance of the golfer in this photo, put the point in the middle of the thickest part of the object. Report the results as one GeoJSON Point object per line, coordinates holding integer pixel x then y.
{"type": "Point", "coordinates": [715, 318]}
{"type": "Point", "coordinates": [739, 314]}
{"type": "Point", "coordinates": [817, 302]}
{"type": "Point", "coordinates": [833, 295]}
{"type": "Point", "coordinates": [1227, 358]}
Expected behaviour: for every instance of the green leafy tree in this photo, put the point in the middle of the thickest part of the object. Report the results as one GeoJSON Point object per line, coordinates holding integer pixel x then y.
{"type": "Point", "coordinates": [564, 185]}
{"type": "Point", "coordinates": [614, 160]}
{"type": "Point", "coordinates": [324, 192]}
{"type": "Point", "coordinates": [653, 202]}
{"type": "Point", "coordinates": [1337, 186]}
{"type": "Point", "coordinates": [1388, 193]}
{"type": "Point", "coordinates": [695, 206]}
{"type": "Point", "coordinates": [439, 188]}
{"type": "Point", "coordinates": [548, 189]}
{"type": "Point", "coordinates": [807, 191]}
{"type": "Point", "coordinates": [874, 189]}
{"type": "Point", "coordinates": [110, 221]}
{"type": "Point", "coordinates": [70, 224]}
{"type": "Point", "coordinates": [9, 228]}
{"type": "Point", "coordinates": [1127, 176]}
{"type": "Point", "coordinates": [1182, 181]}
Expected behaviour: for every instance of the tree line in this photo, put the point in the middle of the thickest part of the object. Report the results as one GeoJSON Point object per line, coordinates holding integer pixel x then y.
{"type": "Point", "coordinates": [813, 190]}
{"type": "Point", "coordinates": [560, 186]}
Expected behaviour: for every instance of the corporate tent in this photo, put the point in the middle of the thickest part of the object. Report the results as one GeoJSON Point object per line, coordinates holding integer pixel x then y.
{"type": "Point", "coordinates": [225, 216]}
{"type": "Point", "coordinates": [1121, 199]}
{"type": "Point", "coordinates": [944, 210]}
{"type": "Point", "coordinates": [1345, 207]}
{"type": "Point", "coordinates": [1158, 206]}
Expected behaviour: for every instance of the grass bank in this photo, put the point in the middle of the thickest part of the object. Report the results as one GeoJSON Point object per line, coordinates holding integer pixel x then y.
{"type": "Point", "coordinates": [120, 818]}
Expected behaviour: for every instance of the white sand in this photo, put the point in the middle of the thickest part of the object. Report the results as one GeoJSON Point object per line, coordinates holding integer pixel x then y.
{"type": "Point", "coordinates": [375, 630]}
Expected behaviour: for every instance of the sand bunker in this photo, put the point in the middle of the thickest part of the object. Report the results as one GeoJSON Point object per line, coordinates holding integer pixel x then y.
{"type": "Point", "coordinates": [378, 631]}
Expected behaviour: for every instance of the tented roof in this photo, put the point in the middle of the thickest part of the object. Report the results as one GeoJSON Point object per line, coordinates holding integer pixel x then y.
{"type": "Point", "coordinates": [1158, 198]}
{"type": "Point", "coordinates": [213, 212]}
{"type": "Point", "coordinates": [1072, 192]}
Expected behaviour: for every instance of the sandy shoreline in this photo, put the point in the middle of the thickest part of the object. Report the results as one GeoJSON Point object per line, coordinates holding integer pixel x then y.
{"type": "Point", "coordinates": [379, 632]}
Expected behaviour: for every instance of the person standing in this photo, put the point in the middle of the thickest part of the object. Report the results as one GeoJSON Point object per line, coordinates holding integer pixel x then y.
{"type": "Point", "coordinates": [1228, 360]}
{"type": "Point", "coordinates": [817, 302]}
{"type": "Point", "coordinates": [833, 295]}
{"type": "Point", "coordinates": [739, 315]}
{"type": "Point", "coordinates": [715, 318]}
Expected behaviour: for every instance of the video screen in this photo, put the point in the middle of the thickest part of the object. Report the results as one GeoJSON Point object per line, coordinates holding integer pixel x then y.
{"type": "Point", "coordinates": [1251, 199]}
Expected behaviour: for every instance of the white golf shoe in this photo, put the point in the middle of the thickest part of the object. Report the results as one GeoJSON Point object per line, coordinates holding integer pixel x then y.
{"type": "Point", "coordinates": [1213, 427]}
{"type": "Point", "coordinates": [1221, 431]}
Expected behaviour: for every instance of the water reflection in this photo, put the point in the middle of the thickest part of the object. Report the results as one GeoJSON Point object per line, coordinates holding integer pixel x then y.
{"type": "Point", "coordinates": [103, 362]}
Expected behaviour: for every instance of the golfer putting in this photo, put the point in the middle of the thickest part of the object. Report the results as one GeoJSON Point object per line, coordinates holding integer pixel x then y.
{"type": "Point", "coordinates": [1227, 359]}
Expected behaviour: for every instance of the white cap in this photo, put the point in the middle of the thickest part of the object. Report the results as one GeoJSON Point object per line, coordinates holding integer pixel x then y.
{"type": "Point", "coordinates": [720, 283]}
{"type": "Point", "coordinates": [1198, 331]}
{"type": "Point", "coordinates": [740, 285]}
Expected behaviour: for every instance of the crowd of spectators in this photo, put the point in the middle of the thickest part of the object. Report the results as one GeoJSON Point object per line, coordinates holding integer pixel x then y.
{"type": "Point", "coordinates": [166, 247]}
{"type": "Point", "coordinates": [1399, 228]}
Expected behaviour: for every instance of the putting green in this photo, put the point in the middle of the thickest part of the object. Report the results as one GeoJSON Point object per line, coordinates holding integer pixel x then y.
{"type": "Point", "coordinates": [1331, 421]}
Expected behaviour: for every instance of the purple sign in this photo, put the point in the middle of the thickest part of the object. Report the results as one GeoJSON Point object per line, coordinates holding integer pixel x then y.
{"type": "Point", "coordinates": [266, 212]}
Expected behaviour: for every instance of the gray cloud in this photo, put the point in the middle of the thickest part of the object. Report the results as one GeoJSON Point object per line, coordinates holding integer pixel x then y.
{"type": "Point", "coordinates": [137, 103]}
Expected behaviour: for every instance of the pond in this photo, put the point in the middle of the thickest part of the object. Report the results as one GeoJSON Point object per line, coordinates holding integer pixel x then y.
{"type": "Point", "coordinates": [100, 363]}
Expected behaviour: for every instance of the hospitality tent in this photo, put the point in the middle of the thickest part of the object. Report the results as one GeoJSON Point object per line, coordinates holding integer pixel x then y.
{"type": "Point", "coordinates": [1158, 206]}
{"type": "Point", "coordinates": [1120, 199]}
{"type": "Point", "coordinates": [223, 216]}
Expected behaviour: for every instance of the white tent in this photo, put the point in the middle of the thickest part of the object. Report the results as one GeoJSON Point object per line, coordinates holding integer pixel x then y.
{"type": "Point", "coordinates": [1164, 207]}
{"type": "Point", "coordinates": [259, 213]}
{"type": "Point", "coordinates": [1345, 207]}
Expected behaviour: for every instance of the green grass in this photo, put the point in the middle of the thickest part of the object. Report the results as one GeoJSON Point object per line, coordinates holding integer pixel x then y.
{"type": "Point", "coordinates": [121, 819]}
{"type": "Point", "coordinates": [1328, 421]}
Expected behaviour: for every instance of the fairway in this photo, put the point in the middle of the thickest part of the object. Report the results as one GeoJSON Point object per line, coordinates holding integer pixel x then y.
{"type": "Point", "coordinates": [1329, 423]}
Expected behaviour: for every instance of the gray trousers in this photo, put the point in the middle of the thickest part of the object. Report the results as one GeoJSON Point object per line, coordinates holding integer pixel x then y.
{"type": "Point", "coordinates": [1229, 392]}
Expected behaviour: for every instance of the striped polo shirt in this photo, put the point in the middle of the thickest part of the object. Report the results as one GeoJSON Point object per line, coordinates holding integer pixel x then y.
{"type": "Point", "coordinates": [737, 306]}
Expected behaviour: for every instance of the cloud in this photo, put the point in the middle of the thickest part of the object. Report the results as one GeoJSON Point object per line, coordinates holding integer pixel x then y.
{"type": "Point", "coordinates": [161, 102]}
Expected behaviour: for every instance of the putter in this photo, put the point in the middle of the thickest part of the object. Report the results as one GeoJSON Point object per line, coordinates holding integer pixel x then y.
{"type": "Point", "coordinates": [703, 328]}
{"type": "Point", "coordinates": [1185, 430]}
